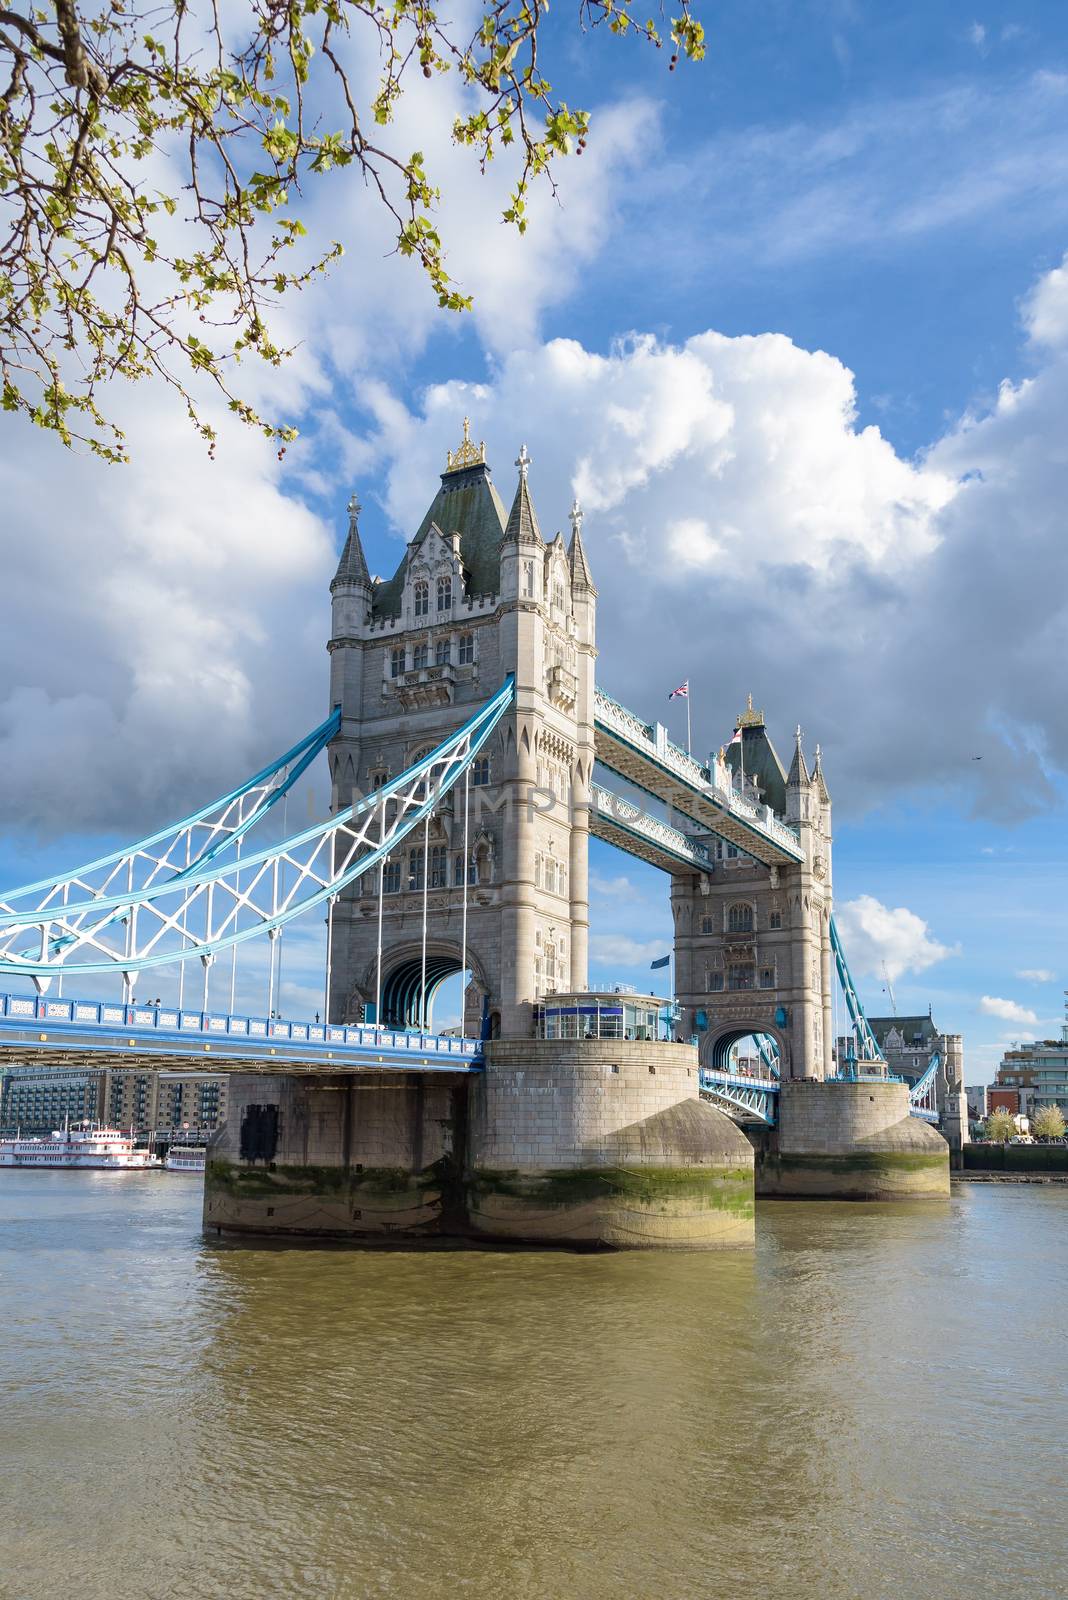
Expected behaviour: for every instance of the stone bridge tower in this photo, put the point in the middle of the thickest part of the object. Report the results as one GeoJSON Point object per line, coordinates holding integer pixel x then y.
{"type": "Point", "coordinates": [752, 943]}
{"type": "Point", "coordinates": [478, 594]}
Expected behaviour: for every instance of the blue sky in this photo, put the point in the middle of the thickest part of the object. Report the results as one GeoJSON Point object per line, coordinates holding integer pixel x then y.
{"type": "Point", "coordinates": [861, 520]}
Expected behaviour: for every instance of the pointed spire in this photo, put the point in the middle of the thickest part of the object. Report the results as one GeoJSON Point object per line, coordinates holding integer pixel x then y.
{"type": "Point", "coordinates": [818, 779]}
{"type": "Point", "coordinates": [522, 519]}
{"type": "Point", "coordinates": [352, 568]}
{"type": "Point", "coordinates": [798, 773]}
{"type": "Point", "coordinates": [581, 577]}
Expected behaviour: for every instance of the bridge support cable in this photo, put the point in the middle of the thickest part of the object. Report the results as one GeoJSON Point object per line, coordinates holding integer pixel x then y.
{"type": "Point", "coordinates": [466, 873]}
{"type": "Point", "coordinates": [426, 894]}
{"type": "Point", "coordinates": [378, 952]}
{"type": "Point", "coordinates": [330, 904]}
{"type": "Point", "coordinates": [867, 1044]}
{"type": "Point", "coordinates": [769, 1053]}
{"type": "Point", "coordinates": [39, 940]}
{"type": "Point", "coordinates": [233, 953]}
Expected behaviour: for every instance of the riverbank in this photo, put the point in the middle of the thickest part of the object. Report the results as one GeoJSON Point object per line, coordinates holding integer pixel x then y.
{"type": "Point", "coordinates": [1008, 1177]}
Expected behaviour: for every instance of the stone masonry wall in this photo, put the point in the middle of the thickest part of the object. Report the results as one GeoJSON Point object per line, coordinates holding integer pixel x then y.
{"type": "Point", "coordinates": [543, 1103]}
{"type": "Point", "coordinates": [356, 1155]}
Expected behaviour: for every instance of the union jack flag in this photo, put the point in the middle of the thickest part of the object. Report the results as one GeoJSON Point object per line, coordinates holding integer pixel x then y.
{"type": "Point", "coordinates": [682, 692]}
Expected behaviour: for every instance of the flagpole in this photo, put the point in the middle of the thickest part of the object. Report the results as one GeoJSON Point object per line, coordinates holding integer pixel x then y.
{"type": "Point", "coordinates": [687, 716]}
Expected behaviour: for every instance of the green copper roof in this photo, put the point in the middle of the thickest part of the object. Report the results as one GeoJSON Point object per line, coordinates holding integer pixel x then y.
{"type": "Point", "coordinates": [466, 503]}
{"type": "Point", "coordinates": [763, 764]}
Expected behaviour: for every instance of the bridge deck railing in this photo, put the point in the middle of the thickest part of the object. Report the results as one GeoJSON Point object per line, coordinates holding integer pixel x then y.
{"type": "Point", "coordinates": [111, 1015]}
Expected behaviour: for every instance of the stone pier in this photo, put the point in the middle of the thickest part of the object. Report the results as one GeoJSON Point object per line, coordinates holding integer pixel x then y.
{"type": "Point", "coordinates": [601, 1143]}
{"type": "Point", "coordinates": [604, 1142]}
{"type": "Point", "coordinates": [851, 1141]}
{"type": "Point", "coordinates": [370, 1157]}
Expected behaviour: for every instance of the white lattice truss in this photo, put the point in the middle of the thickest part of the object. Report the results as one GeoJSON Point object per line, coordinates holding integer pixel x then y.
{"type": "Point", "coordinates": [170, 898]}
{"type": "Point", "coordinates": [923, 1096]}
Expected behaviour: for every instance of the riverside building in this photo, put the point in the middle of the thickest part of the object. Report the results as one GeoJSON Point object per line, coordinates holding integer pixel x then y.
{"type": "Point", "coordinates": [36, 1100]}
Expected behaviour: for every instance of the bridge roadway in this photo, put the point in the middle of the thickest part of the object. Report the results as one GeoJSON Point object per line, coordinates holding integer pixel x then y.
{"type": "Point", "coordinates": [643, 754]}
{"type": "Point", "coordinates": [106, 1033]}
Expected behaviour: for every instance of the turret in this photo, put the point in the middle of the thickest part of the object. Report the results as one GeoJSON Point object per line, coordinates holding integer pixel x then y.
{"type": "Point", "coordinates": [583, 593]}
{"type": "Point", "coordinates": [350, 606]}
{"type": "Point", "coordinates": [822, 795]}
{"type": "Point", "coordinates": [798, 787]}
{"type": "Point", "coordinates": [522, 546]}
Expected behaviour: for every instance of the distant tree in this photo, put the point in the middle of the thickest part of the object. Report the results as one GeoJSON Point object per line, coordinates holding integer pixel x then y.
{"type": "Point", "coordinates": [1048, 1123]}
{"type": "Point", "coordinates": [1000, 1125]}
{"type": "Point", "coordinates": [117, 115]}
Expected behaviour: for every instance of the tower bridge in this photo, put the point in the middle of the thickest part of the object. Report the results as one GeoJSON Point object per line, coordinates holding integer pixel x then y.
{"type": "Point", "coordinates": [467, 742]}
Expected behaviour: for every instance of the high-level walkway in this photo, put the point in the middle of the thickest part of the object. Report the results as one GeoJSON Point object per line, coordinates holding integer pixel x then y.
{"type": "Point", "coordinates": [643, 754]}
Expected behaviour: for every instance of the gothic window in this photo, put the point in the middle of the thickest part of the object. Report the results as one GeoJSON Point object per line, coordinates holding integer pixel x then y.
{"type": "Point", "coordinates": [439, 872]}
{"type": "Point", "coordinates": [415, 869]}
{"type": "Point", "coordinates": [421, 594]}
{"type": "Point", "coordinates": [391, 876]}
{"type": "Point", "coordinates": [558, 595]}
{"type": "Point", "coordinates": [458, 871]}
{"type": "Point", "coordinates": [444, 594]}
{"type": "Point", "coordinates": [480, 772]}
{"type": "Point", "coordinates": [441, 653]}
{"type": "Point", "coordinates": [396, 661]}
{"type": "Point", "coordinates": [378, 777]}
{"type": "Point", "coordinates": [775, 919]}
{"type": "Point", "coordinates": [767, 978]}
{"type": "Point", "coordinates": [420, 656]}
{"type": "Point", "coordinates": [740, 918]}
{"type": "Point", "coordinates": [732, 852]}
{"type": "Point", "coordinates": [467, 649]}
{"type": "Point", "coordinates": [528, 580]}
{"type": "Point", "coordinates": [715, 982]}
{"type": "Point", "coordinates": [707, 925]}
{"type": "Point", "coordinates": [740, 976]}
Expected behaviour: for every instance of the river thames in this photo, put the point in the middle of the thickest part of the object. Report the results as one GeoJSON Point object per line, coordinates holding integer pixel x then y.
{"type": "Point", "coordinates": [872, 1404]}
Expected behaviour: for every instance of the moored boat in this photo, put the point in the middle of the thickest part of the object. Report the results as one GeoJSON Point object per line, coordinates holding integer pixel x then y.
{"type": "Point", "coordinates": [85, 1145]}
{"type": "Point", "coordinates": [185, 1158]}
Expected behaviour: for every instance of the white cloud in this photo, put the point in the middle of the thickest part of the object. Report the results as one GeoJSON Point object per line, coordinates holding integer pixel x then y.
{"type": "Point", "coordinates": [618, 950]}
{"type": "Point", "coordinates": [617, 888]}
{"type": "Point", "coordinates": [1008, 1010]}
{"type": "Point", "coordinates": [164, 623]}
{"type": "Point", "coordinates": [1046, 308]}
{"type": "Point", "coordinates": [745, 533]}
{"type": "Point", "coordinates": [773, 193]}
{"type": "Point", "coordinates": [884, 940]}
{"type": "Point", "coordinates": [1036, 974]}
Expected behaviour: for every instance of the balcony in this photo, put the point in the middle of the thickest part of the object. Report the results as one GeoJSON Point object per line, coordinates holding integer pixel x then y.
{"type": "Point", "coordinates": [426, 686]}
{"type": "Point", "coordinates": [563, 688]}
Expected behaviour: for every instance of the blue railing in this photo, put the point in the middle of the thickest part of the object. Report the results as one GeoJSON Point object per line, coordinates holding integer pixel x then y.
{"type": "Point", "coordinates": [180, 1022]}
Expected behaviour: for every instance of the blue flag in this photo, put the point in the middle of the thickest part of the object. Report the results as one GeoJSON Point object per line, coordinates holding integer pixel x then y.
{"type": "Point", "coordinates": [663, 962]}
